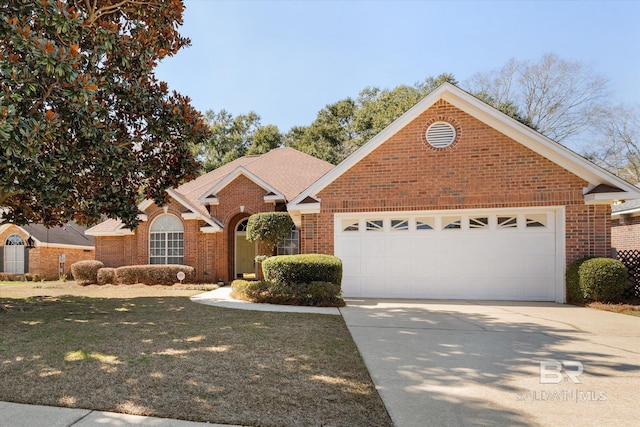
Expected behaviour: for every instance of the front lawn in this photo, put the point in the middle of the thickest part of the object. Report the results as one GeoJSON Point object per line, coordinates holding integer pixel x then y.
{"type": "Point", "coordinates": [160, 354]}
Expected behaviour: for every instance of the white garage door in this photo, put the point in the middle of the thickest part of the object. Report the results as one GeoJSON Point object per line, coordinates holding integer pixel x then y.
{"type": "Point", "coordinates": [498, 255]}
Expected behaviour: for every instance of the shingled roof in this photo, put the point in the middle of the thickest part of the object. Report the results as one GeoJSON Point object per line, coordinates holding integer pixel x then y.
{"type": "Point", "coordinates": [70, 234]}
{"type": "Point", "coordinates": [282, 172]}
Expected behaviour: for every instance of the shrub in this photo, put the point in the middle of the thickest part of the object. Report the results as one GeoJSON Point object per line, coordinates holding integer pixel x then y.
{"type": "Point", "coordinates": [304, 268]}
{"type": "Point", "coordinates": [269, 227]}
{"type": "Point", "coordinates": [86, 272]}
{"type": "Point", "coordinates": [153, 274]}
{"type": "Point", "coordinates": [574, 291]}
{"type": "Point", "coordinates": [321, 294]}
{"type": "Point", "coordinates": [107, 276]}
{"type": "Point", "coordinates": [602, 279]}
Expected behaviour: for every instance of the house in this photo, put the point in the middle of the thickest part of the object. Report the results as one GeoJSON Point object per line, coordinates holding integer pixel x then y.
{"type": "Point", "coordinates": [457, 200]}
{"type": "Point", "coordinates": [625, 225]}
{"type": "Point", "coordinates": [454, 199]}
{"type": "Point", "coordinates": [45, 252]}
{"type": "Point", "coordinates": [204, 223]}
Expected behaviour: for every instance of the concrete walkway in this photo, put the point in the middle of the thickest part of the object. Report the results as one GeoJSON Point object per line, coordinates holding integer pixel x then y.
{"type": "Point", "coordinates": [17, 415]}
{"type": "Point", "coordinates": [221, 298]}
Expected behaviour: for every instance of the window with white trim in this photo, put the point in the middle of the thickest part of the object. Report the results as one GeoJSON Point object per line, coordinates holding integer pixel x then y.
{"type": "Point", "coordinates": [166, 240]}
{"type": "Point", "coordinates": [291, 244]}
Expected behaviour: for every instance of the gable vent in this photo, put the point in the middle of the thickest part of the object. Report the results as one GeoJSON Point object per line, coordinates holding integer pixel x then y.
{"type": "Point", "coordinates": [441, 134]}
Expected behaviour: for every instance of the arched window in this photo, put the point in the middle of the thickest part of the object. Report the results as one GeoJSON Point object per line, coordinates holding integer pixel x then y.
{"type": "Point", "coordinates": [166, 241]}
{"type": "Point", "coordinates": [14, 255]}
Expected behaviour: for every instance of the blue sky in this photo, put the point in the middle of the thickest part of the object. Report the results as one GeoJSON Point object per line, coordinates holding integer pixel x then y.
{"type": "Point", "coordinates": [286, 60]}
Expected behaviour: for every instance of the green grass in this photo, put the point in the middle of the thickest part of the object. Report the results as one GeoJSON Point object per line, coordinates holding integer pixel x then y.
{"type": "Point", "coordinates": [169, 357]}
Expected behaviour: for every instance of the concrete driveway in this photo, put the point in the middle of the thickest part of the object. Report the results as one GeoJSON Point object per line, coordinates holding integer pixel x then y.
{"type": "Point", "coordinates": [458, 363]}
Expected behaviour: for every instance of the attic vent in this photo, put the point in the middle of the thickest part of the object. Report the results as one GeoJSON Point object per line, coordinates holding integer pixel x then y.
{"type": "Point", "coordinates": [441, 134]}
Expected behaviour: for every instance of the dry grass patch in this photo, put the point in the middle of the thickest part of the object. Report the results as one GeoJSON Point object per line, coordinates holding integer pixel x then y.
{"type": "Point", "coordinates": [168, 357]}
{"type": "Point", "coordinates": [630, 309]}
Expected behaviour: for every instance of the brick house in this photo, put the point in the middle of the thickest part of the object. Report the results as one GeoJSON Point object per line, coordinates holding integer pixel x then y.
{"type": "Point", "coordinates": [204, 223]}
{"type": "Point", "coordinates": [454, 199]}
{"type": "Point", "coordinates": [46, 252]}
{"type": "Point", "coordinates": [457, 200]}
{"type": "Point", "coordinates": [625, 225]}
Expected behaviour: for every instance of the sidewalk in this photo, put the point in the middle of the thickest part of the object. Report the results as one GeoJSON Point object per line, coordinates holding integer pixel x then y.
{"type": "Point", "coordinates": [18, 415]}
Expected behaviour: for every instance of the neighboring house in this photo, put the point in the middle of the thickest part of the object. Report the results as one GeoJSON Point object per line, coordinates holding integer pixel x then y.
{"type": "Point", "coordinates": [47, 252]}
{"type": "Point", "coordinates": [204, 223]}
{"type": "Point", "coordinates": [625, 225]}
{"type": "Point", "coordinates": [452, 200]}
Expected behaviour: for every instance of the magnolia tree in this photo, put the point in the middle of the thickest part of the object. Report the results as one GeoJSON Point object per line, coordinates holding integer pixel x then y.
{"type": "Point", "coordinates": [86, 129]}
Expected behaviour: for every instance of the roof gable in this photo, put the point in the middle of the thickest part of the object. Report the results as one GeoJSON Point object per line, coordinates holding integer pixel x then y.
{"type": "Point", "coordinates": [68, 235]}
{"type": "Point", "coordinates": [211, 194]}
{"type": "Point", "coordinates": [499, 121]}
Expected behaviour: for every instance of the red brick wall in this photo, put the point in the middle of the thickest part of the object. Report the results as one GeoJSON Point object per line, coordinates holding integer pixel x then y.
{"type": "Point", "coordinates": [43, 260]}
{"type": "Point", "coordinates": [481, 169]}
{"type": "Point", "coordinates": [627, 235]}
{"type": "Point", "coordinates": [211, 254]}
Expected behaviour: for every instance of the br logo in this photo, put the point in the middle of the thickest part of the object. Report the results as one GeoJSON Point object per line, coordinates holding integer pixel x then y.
{"type": "Point", "coordinates": [553, 371]}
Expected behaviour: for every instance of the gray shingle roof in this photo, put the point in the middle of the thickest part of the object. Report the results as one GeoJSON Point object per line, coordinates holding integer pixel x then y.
{"type": "Point", "coordinates": [69, 234]}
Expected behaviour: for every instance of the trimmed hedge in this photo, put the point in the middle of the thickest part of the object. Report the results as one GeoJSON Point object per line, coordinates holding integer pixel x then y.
{"type": "Point", "coordinates": [602, 279]}
{"type": "Point", "coordinates": [86, 272]}
{"type": "Point", "coordinates": [303, 268]}
{"type": "Point", "coordinates": [319, 294]}
{"type": "Point", "coordinates": [106, 276]}
{"type": "Point", "coordinates": [574, 291]}
{"type": "Point", "coordinates": [153, 274]}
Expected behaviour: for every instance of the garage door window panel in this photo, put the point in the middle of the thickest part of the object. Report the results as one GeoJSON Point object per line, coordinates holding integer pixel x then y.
{"type": "Point", "coordinates": [479, 223]}
{"type": "Point", "coordinates": [505, 222]}
{"type": "Point", "coordinates": [452, 223]}
{"type": "Point", "coordinates": [351, 225]}
{"type": "Point", "coordinates": [536, 221]}
{"type": "Point", "coordinates": [425, 223]}
{"type": "Point", "coordinates": [399, 225]}
{"type": "Point", "coordinates": [375, 225]}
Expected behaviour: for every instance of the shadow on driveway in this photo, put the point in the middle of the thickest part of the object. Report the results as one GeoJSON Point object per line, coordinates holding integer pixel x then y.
{"type": "Point", "coordinates": [460, 363]}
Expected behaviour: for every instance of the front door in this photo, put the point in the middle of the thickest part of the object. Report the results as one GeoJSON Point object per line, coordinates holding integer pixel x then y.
{"type": "Point", "coordinates": [245, 252]}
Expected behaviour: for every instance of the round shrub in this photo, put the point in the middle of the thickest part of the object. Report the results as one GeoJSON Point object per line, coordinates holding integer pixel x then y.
{"type": "Point", "coordinates": [86, 272]}
{"type": "Point", "coordinates": [574, 291]}
{"type": "Point", "coordinates": [106, 276]}
{"type": "Point", "coordinates": [303, 268]}
{"type": "Point", "coordinates": [602, 279]}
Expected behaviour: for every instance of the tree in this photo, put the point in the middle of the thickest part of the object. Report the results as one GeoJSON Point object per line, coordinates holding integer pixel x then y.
{"type": "Point", "coordinates": [340, 128]}
{"type": "Point", "coordinates": [85, 127]}
{"type": "Point", "coordinates": [269, 228]}
{"type": "Point", "coordinates": [558, 98]}
{"type": "Point", "coordinates": [331, 136]}
{"type": "Point", "coordinates": [233, 137]}
{"type": "Point", "coordinates": [617, 144]}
